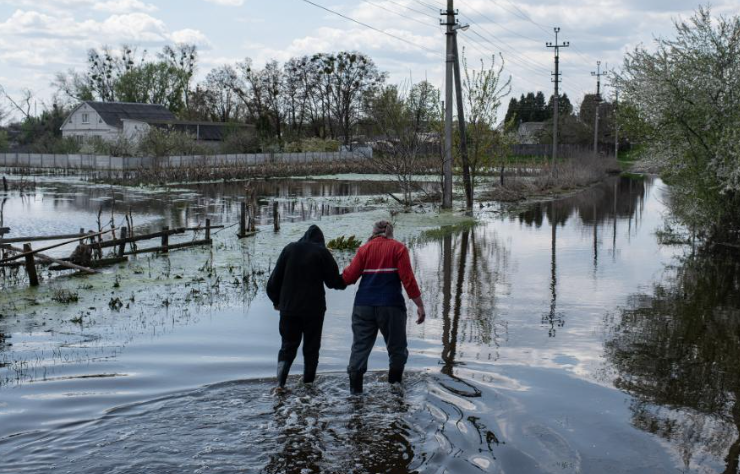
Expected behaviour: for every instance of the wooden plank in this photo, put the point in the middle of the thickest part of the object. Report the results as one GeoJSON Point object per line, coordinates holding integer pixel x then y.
{"type": "Point", "coordinates": [69, 265]}
{"type": "Point", "coordinates": [170, 247]}
{"type": "Point", "coordinates": [136, 238]}
{"type": "Point", "coordinates": [43, 249]}
{"type": "Point", "coordinates": [103, 262]}
{"type": "Point", "coordinates": [40, 238]}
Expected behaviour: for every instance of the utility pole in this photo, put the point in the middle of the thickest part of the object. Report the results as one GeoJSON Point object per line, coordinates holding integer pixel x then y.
{"type": "Point", "coordinates": [597, 75]}
{"type": "Point", "coordinates": [450, 62]}
{"type": "Point", "coordinates": [556, 97]}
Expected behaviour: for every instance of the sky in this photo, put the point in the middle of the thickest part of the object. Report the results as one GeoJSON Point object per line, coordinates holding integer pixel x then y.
{"type": "Point", "coordinates": [39, 38]}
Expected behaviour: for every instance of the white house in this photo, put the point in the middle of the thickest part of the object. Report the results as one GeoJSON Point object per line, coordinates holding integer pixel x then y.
{"type": "Point", "coordinates": [108, 120]}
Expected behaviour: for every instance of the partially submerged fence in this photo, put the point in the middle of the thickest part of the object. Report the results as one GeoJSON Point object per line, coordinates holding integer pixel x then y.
{"type": "Point", "coordinates": [130, 163]}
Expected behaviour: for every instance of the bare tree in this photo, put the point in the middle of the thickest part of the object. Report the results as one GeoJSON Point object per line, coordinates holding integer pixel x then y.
{"type": "Point", "coordinates": [484, 90]}
{"type": "Point", "coordinates": [23, 104]}
{"type": "Point", "coordinates": [407, 120]}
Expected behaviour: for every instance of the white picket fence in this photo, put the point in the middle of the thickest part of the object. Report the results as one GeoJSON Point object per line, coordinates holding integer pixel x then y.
{"type": "Point", "coordinates": [106, 162]}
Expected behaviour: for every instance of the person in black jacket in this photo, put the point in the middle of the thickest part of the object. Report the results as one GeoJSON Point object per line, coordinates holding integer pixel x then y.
{"type": "Point", "coordinates": [296, 289]}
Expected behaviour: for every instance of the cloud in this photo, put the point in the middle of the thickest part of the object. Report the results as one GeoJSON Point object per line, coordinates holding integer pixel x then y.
{"type": "Point", "coordinates": [227, 3]}
{"type": "Point", "coordinates": [65, 6]}
{"type": "Point", "coordinates": [190, 36]}
{"type": "Point", "coordinates": [124, 6]}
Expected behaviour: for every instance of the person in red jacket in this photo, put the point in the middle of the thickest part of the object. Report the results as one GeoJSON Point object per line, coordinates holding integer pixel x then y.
{"type": "Point", "coordinates": [384, 266]}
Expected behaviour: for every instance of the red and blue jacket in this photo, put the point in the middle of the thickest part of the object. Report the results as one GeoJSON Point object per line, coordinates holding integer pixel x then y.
{"type": "Point", "coordinates": [384, 266]}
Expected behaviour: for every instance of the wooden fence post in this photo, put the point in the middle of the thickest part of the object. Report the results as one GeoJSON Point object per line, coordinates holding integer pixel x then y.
{"type": "Point", "coordinates": [208, 230]}
{"type": "Point", "coordinates": [275, 216]}
{"type": "Point", "coordinates": [122, 247]}
{"type": "Point", "coordinates": [243, 219]}
{"type": "Point", "coordinates": [33, 278]}
{"type": "Point", "coordinates": [165, 239]}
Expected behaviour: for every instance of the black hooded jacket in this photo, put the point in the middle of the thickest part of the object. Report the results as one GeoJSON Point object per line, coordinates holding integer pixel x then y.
{"type": "Point", "coordinates": [296, 285]}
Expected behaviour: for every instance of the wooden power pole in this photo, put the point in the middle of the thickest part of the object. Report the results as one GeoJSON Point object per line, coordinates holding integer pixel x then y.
{"type": "Point", "coordinates": [450, 63]}
{"type": "Point", "coordinates": [453, 67]}
{"type": "Point", "coordinates": [556, 98]}
{"type": "Point", "coordinates": [597, 75]}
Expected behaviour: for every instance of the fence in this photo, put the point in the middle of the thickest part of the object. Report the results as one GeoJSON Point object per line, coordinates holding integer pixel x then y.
{"type": "Point", "coordinates": [564, 150]}
{"type": "Point", "coordinates": [116, 163]}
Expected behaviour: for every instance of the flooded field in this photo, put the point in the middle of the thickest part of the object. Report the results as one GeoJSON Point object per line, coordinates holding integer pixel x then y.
{"type": "Point", "coordinates": [561, 338]}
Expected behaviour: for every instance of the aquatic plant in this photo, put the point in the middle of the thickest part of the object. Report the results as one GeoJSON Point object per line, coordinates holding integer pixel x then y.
{"type": "Point", "coordinates": [344, 243]}
{"type": "Point", "coordinates": [64, 296]}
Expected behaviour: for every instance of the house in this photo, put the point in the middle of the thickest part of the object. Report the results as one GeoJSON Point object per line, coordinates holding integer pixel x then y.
{"type": "Point", "coordinates": [529, 132]}
{"type": "Point", "coordinates": [111, 120]}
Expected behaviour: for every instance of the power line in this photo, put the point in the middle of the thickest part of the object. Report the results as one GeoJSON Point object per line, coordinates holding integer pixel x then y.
{"type": "Point", "coordinates": [374, 28]}
{"type": "Point", "coordinates": [498, 24]}
{"type": "Point", "coordinates": [526, 17]}
{"type": "Point", "coordinates": [412, 9]}
{"type": "Point", "coordinates": [401, 14]}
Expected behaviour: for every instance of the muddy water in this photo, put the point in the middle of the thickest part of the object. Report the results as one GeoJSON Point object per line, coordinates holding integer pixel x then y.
{"type": "Point", "coordinates": [561, 338]}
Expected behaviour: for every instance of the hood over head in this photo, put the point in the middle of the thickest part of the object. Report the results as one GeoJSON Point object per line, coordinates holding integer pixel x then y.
{"type": "Point", "coordinates": [314, 236]}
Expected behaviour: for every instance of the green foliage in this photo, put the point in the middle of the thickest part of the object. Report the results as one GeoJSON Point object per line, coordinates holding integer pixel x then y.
{"type": "Point", "coordinates": [125, 76]}
{"type": "Point", "coordinates": [683, 99]}
{"type": "Point", "coordinates": [344, 243]}
{"type": "Point", "coordinates": [313, 144]}
{"type": "Point", "coordinates": [120, 146]}
{"type": "Point", "coordinates": [160, 142]}
{"type": "Point", "coordinates": [532, 108]}
{"type": "Point", "coordinates": [240, 141]}
{"type": "Point", "coordinates": [65, 296]}
{"type": "Point", "coordinates": [3, 140]}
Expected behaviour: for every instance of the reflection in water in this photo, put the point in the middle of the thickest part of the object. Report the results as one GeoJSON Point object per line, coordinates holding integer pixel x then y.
{"type": "Point", "coordinates": [65, 207]}
{"type": "Point", "coordinates": [553, 319]}
{"type": "Point", "coordinates": [676, 352]}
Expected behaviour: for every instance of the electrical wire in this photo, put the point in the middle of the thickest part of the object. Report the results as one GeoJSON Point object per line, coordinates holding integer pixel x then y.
{"type": "Point", "coordinates": [375, 29]}
{"type": "Point", "coordinates": [400, 14]}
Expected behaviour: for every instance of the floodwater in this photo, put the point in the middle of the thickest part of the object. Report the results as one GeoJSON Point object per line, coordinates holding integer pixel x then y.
{"type": "Point", "coordinates": [561, 338]}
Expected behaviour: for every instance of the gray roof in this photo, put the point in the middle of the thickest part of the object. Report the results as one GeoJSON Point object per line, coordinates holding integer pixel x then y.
{"type": "Point", "coordinates": [113, 112]}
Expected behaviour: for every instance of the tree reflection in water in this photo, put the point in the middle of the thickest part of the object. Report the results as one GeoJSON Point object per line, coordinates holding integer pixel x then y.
{"type": "Point", "coordinates": [676, 351]}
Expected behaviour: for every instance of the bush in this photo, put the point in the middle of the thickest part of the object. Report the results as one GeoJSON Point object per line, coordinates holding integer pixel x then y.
{"type": "Point", "coordinates": [121, 146]}
{"type": "Point", "coordinates": [3, 140]}
{"type": "Point", "coordinates": [48, 143]}
{"type": "Point", "coordinates": [160, 142]}
{"type": "Point", "coordinates": [240, 142]}
{"type": "Point", "coordinates": [315, 144]}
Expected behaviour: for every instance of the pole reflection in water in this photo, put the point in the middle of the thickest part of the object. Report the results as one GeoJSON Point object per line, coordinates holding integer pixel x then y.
{"type": "Point", "coordinates": [553, 319]}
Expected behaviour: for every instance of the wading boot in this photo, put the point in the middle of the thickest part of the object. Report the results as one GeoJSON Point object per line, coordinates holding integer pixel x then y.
{"type": "Point", "coordinates": [309, 373]}
{"type": "Point", "coordinates": [283, 368]}
{"type": "Point", "coordinates": [395, 376]}
{"type": "Point", "coordinates": [355, 383]}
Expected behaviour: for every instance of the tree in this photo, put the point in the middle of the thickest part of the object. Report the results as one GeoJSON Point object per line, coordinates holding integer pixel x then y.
{"type": "Point", "coordinates": [127, 76]}
{"type": "Point", "coordinates": [352, 79]}
{"type": "Point", "coordinates": [407, 119]}
{"type": "Point", "coordinates": [684, 97]}
{"type": "Point", "coordinates": [483, 91]}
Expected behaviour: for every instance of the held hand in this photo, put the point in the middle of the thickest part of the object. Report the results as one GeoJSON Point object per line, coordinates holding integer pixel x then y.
{"type": "Point", "coordinates": [421, 315]}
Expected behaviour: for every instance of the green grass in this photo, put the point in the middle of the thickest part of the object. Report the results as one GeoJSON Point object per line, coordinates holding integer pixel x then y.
{"type": "Point", "coordinates": [628, 158]}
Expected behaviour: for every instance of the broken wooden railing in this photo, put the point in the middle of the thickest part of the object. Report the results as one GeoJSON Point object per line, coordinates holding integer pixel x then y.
{"type": "Point", "coordinates": [32, 258]}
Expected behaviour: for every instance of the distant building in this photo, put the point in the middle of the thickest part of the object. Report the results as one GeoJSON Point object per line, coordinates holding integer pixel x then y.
{"type": "Point", "coordinates": [529, 132]}
{"type": "Point", "coordinates": [110, 120]}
